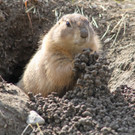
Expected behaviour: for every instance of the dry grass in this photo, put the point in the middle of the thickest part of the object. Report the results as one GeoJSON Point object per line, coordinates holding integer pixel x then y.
{"type": "Point", "coordinates": [30, 125]}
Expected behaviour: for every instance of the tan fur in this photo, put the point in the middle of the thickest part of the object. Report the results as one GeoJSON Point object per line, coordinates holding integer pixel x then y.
{"type": "Point", "coordinates": [51, 68]}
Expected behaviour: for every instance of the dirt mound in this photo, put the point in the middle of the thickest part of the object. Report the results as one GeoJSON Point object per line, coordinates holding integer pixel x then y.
{"type": "Point", "coordinates": [89, 108]}
{"type": "Point", "coordinates": [77, 113]}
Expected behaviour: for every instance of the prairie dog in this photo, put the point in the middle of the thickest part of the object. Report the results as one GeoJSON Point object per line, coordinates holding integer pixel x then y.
{"type": "Point", "coordinates": [51, 68]}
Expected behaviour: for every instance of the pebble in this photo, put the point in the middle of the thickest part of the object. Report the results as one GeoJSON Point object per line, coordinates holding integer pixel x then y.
{"type": "Point", "coordinates": [34, 118]}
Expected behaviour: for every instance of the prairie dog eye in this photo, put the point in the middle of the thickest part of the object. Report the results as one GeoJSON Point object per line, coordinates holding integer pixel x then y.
{"type": "Point", "coordinates": [68, 24]}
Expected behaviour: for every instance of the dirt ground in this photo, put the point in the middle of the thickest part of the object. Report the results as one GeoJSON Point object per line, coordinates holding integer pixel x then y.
{"type": "Point", "coordinates": [115, 24]}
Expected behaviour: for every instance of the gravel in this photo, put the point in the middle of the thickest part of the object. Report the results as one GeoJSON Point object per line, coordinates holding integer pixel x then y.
{"type": "Point", "coordinates": [89, 108]}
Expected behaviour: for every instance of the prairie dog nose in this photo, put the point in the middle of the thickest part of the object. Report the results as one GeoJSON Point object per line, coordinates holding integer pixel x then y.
{"type": "Point", "coordinates": [84, 33]}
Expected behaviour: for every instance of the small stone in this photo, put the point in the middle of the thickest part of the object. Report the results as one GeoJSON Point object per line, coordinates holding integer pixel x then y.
{"type": "Point", "coordinates": [86, 76]}
{"type": "Point", "coordinates": [34, 118]}
{"type": "Point", "coordinates": [86, 113]}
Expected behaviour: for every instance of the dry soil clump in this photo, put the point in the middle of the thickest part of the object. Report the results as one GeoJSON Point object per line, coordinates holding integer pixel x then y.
{"type": "Point", "coordinates": [89, 108]}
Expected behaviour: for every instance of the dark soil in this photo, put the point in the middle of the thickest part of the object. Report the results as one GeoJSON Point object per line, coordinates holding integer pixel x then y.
{"type": "Point", "coordinates": [103, 100]}
{"type": "Point", "coordinates": [89, 108]}
{"type": "Point", "coordinates": [80, 113]}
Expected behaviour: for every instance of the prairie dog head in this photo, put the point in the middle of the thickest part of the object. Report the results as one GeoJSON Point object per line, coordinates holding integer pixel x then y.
{"type": "Point", "coordinates": [73, 32]}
